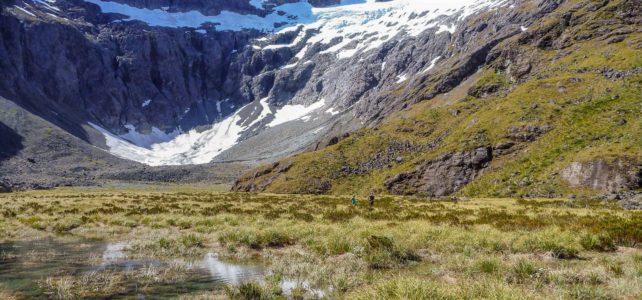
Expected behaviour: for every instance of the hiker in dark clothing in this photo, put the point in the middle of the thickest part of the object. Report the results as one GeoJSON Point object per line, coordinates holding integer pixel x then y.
{"type": "Point", "coordinates": [371, 198]}
{"type": "Point", "coordinates": [354, 201]}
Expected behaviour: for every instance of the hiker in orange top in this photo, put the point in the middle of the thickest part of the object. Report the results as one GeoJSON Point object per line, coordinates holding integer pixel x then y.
{"type": "Point", "coordinates": [371, 198]}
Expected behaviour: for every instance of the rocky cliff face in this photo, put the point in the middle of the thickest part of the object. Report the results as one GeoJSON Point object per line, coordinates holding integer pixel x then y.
{"type": "Point", "coordinates": [145, 73]}
{"type": "Point", "coordinates": [604, 175]}
{"type": "Point", "coordinates": [116, 74]}
{"type": "Point", "coordinates": [550, 95]}
{"type": "Point", "coordinates": [441, 176]}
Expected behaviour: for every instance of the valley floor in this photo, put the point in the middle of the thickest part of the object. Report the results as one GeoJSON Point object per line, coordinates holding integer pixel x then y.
{"type": "Point", "coordinates": [303, 246]}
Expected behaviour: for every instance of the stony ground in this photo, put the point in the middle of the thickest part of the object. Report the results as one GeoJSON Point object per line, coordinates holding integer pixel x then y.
{"type": "Point", "coordinates": [402, 248]}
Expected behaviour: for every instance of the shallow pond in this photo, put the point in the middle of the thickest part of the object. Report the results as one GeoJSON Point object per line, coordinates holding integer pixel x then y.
{"type": "Point", "coordinates": [24, 266]}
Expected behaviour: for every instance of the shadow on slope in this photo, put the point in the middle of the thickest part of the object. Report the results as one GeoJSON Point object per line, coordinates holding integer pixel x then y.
{"type": "Point", "coordinates": [10, 142]}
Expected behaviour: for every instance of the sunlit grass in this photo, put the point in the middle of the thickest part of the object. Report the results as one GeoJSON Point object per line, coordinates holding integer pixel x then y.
{"type": "Point", "coordinates": [401, 248]}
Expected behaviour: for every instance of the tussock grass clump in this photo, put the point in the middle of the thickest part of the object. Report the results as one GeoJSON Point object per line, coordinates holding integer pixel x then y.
{"type": "Point", "coordinates": [382, 253]}
{"type": "Point", "coordinates": [166, 246]}
{"type": "Point", "coordinates": [489, 266]}
{"type": "Point", "coordinates": [413, 288]}
{"type": "Point", "coordinates": [253, 291]}
{"type": "Point", "coordinates": [623, 231]}
{"type": "Point", "coordinates": [9, 213]}
{"type": "Point", "coordinates": [35, 222]}
{"type": "Point", "coordinates": [257, 240]}
{"type": "Point", "coordinates": [109, 283]}
{"type": "Point", "coordinates": [87, 285]}
{"type": "Point", "coordinates": [524, 270]}
{"type": "Point", "coordinates": [67, 224]}
{"type": "Point", "coordinates": [593, 242]}
{"type": "Point", "coordinates": [581, 292]}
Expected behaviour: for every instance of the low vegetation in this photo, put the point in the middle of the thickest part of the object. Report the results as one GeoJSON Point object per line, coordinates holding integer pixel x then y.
{"type": "Point", "coordinates": [402, 248]}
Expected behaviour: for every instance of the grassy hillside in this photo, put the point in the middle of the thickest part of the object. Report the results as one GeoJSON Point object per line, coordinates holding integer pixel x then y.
{"type": "Point", "coordinates": [580, 101]}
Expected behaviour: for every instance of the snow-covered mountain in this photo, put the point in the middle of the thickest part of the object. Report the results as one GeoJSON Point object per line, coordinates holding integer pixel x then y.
{"type": "Point", "coordinates": [311, 40]}
{"type": "Point", "coordinates": [194, 82]}
{"type": "Point", "coordinates": [200, 90]}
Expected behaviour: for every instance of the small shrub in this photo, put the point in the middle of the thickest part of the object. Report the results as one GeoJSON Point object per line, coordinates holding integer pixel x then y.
{"type": "Point", "coordinates": [380, 243]}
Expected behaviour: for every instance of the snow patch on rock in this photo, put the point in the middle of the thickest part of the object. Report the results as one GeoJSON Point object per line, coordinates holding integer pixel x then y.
{"type": "Point", "coordinates": [192, 147]}
{"type": "Point", "coordinates": [293, 112]}
{"type": "Point", "coordinates": [432, 64]}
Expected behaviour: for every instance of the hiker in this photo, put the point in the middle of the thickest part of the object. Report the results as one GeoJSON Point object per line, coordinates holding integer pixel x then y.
{"type": "Point", "coordinates": [354, 201]}
{"type": "Point", "coordinates": [371, 198]}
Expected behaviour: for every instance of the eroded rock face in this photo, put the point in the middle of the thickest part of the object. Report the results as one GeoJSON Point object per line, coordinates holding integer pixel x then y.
{"type": "Point", "coordinates": [120, 74]}
{"type": "Point", "coordinates": [442, 176]}
{"type": "Point", "coordinates": [605, 175]}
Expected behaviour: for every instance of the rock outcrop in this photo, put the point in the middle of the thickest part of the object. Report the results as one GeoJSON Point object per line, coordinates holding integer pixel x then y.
{"type": "Point", "coordinates": [609, 175]}
{"type": "Point", "coordinates": [263, 177]}
{"type": "Point", "coordinates": [441, 176]}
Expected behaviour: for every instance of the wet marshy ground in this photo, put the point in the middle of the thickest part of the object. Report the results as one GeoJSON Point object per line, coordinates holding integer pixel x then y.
{"type": "Point", "coordinates": [37, 269]}
{"type": "Point", "coordinates": [190, 244]}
